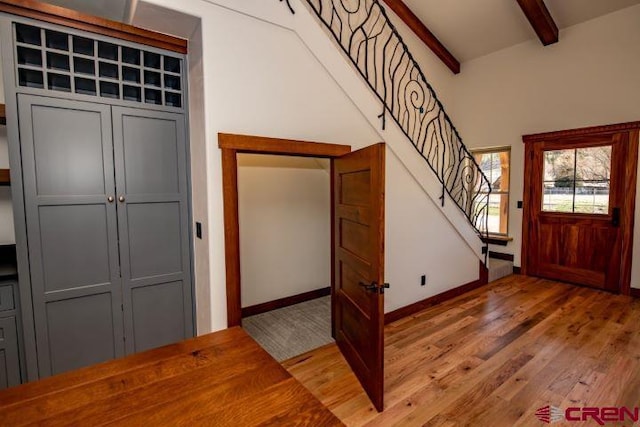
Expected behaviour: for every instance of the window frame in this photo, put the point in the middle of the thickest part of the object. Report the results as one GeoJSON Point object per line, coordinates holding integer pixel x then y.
{"type": "Point", "coordinates": [503, 215]}
{"type": "Point", "coordinates": [574, 186]}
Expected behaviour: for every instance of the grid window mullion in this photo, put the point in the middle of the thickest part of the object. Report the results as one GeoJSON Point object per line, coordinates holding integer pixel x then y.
{"type": "Point", "coordinates": [79, 77]}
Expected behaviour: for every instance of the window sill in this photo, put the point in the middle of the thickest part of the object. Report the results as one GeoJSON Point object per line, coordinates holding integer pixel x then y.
{"type": "Point", "coordinates": [495, 239]}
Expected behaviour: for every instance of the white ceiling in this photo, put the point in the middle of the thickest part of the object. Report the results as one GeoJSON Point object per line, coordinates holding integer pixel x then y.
{"type": "Point", "coordinates": [468, 28]}
{"type": "Point", "coordinates": [472, 28]}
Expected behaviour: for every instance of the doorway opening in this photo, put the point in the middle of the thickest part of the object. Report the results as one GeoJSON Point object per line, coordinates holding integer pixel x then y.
{"type": "Point", "coordinates": [284, 210]}
{"type": "Point", "coordinates": [357, 245]}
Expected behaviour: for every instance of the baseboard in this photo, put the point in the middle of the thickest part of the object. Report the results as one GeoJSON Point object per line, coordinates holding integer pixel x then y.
{"type": "Point", "coordinates": [437, 299]}
{"type": "Point", "coordinates": [635, 292]}
{"type": "Point", "coordinates": [285, 302]}
{"type": "Point", "coordinates": [500, 255]}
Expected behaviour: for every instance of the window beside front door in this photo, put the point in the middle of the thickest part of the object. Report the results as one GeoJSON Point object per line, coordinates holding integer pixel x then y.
{"type": "Point", "coordinates": [577, 180]}
{"type": "Point", "coordinates": [495, 164]}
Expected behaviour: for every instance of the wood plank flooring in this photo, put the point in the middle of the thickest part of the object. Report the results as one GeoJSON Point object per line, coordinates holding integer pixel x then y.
{"type": "Point", "coordinates": [492, 357]}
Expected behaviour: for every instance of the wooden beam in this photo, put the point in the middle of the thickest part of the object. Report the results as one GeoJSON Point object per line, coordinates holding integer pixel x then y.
{"type": "Point", "coordinates": [541, 20]}
{"type": "Point", "coordinates": [80, 21]}
{"type": "Point", "coordinates": [264, 145]}
{"type": "Point", "coordinates": [421, 30]}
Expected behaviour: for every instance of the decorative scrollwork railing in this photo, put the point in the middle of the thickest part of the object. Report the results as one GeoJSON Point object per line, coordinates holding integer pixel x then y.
{"type": "Point", "coordinates": [366, 35]}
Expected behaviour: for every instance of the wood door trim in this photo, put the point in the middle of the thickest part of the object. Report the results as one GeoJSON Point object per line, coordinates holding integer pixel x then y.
{"type": "Point", "coordinates": [290, 147]}
{"type": "Point", "coordinates": [628, 213]}
{"type": "Point", "coordinates": [81, 21]}
{"type": "Point", "coordinates": [231, 145]}
{"type": "Point", "coordinates": [585, 131]}
{"type": "Point", "coordinates": [629, 175]}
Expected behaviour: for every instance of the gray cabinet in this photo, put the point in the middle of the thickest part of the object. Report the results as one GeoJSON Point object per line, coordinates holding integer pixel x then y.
{"type": "Point", "coordinates": [106, 204]}
{"type": "Point", "coordinates": [9, 350]}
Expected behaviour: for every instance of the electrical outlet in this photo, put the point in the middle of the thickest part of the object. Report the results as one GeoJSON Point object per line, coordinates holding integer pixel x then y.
{"type": "Point", "coordinates": [519, 204]}
{"type": "Point", "coordinates": [423, 280]}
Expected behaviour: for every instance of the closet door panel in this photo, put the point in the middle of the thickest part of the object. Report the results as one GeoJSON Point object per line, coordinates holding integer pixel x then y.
{"type": "Point", "coordinates": [75, 246]}
{"type": "Point", "coordinates": [64, 167]}
{"type": "Point", "coordinates": [153, 253]}
{"type": "Point", "coordinates": [151, 180]}
{"type": "Point", "coordinates": [157, 318]}
{"type": "Point", "coordinates": [67, 158]}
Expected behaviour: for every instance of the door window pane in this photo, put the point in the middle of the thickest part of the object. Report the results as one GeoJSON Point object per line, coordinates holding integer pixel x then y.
{"type": "Point", "coordinates": [577, 180]}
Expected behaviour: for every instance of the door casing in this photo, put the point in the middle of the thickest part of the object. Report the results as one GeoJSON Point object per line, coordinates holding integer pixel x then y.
{"type": "Point", "coordinates": [230, 146]}
{"type": "Point", "coordinates": [629, 180]}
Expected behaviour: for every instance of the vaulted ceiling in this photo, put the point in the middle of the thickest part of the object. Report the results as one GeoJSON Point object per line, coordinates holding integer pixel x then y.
{"type": "Point", "coordinates": [467, 28]}
{"type": "Point", "coordinates": [473, 28]}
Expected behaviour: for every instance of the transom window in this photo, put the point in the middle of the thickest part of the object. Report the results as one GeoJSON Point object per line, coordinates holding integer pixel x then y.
{"type": "Point", "coordinates": [577, 180]}
{"type": "Point", "coordinates": [53, 60]}
{"type": "Point", "coordinates": [495, 164]}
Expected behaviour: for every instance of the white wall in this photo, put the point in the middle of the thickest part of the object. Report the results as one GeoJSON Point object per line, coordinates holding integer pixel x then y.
{"type": "Point", "coordinates": [260, 78]}
{"type": "Point", "coordinates": [419, 242]}
{"type": "Point", "coordinates": [7, 233]}
{"type": "Point", "coordinates": [591, 77]}
{"type": "Point", "coordinates": [284, 211]}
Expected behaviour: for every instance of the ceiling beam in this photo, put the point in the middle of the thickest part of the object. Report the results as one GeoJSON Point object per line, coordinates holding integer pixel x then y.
{"type": "Point", "coordinates": [423, 33]}
{"type": "Point", "coordinates": [541, 20]}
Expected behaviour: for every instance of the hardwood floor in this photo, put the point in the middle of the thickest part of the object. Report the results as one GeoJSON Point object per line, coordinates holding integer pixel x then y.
{"type": "Point", "coordinates": [492, 357]}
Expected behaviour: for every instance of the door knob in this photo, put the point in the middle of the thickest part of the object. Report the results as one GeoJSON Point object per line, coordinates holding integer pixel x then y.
{"type": "Point", "coordinates": [121, 199]}
{"type": "Point", "coordinates": [110, 199]}
{"type": "Point", "coordinates": [373, 287]}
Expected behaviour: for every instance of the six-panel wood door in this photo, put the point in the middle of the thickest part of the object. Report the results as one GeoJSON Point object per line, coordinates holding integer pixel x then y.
{"type": "Point", "coordinates": [358, 292]}
{"type": "Point", "coordinates": [106, 199]}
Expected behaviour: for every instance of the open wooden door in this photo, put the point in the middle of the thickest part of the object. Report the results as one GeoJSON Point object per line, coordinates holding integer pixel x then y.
{"type": "Point", "coordinates": [358, 257]}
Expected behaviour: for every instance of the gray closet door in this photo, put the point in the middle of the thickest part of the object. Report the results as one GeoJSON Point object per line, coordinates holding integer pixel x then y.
{"type": "Point", "coordinates": [67, 159]}
{"type": "Point", "coordinates": [151, 182]}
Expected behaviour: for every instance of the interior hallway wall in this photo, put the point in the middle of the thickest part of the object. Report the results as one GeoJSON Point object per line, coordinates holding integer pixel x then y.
{"type": "Point", "coordinates": [284, 212]}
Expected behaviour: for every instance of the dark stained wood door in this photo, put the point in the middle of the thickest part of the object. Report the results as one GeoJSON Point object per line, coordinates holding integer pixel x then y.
{"type": "Point", "coordinates": [572, 228]}
{"type": "Point", "coordinates": [358, 256]}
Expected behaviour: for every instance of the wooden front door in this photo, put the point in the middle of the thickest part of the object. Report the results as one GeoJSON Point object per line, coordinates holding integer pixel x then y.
{"type": "Point", "coordinates": [578, 208]}
{"type": "Point", "coordinates": [358, 257]}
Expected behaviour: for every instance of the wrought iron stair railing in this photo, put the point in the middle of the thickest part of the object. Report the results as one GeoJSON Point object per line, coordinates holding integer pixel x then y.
{"type": "Point", "coordinates": [364, 32]}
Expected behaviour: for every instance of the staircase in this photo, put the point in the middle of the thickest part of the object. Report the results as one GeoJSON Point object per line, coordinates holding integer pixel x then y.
{"type": "Point", "coordinates": [363, 31]}
{"type": "Point", "coordinates": [499, 268]}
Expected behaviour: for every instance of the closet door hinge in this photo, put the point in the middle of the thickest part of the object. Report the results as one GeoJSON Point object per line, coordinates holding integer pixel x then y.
{"type": "Point", "coordinates": [122, 307]}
